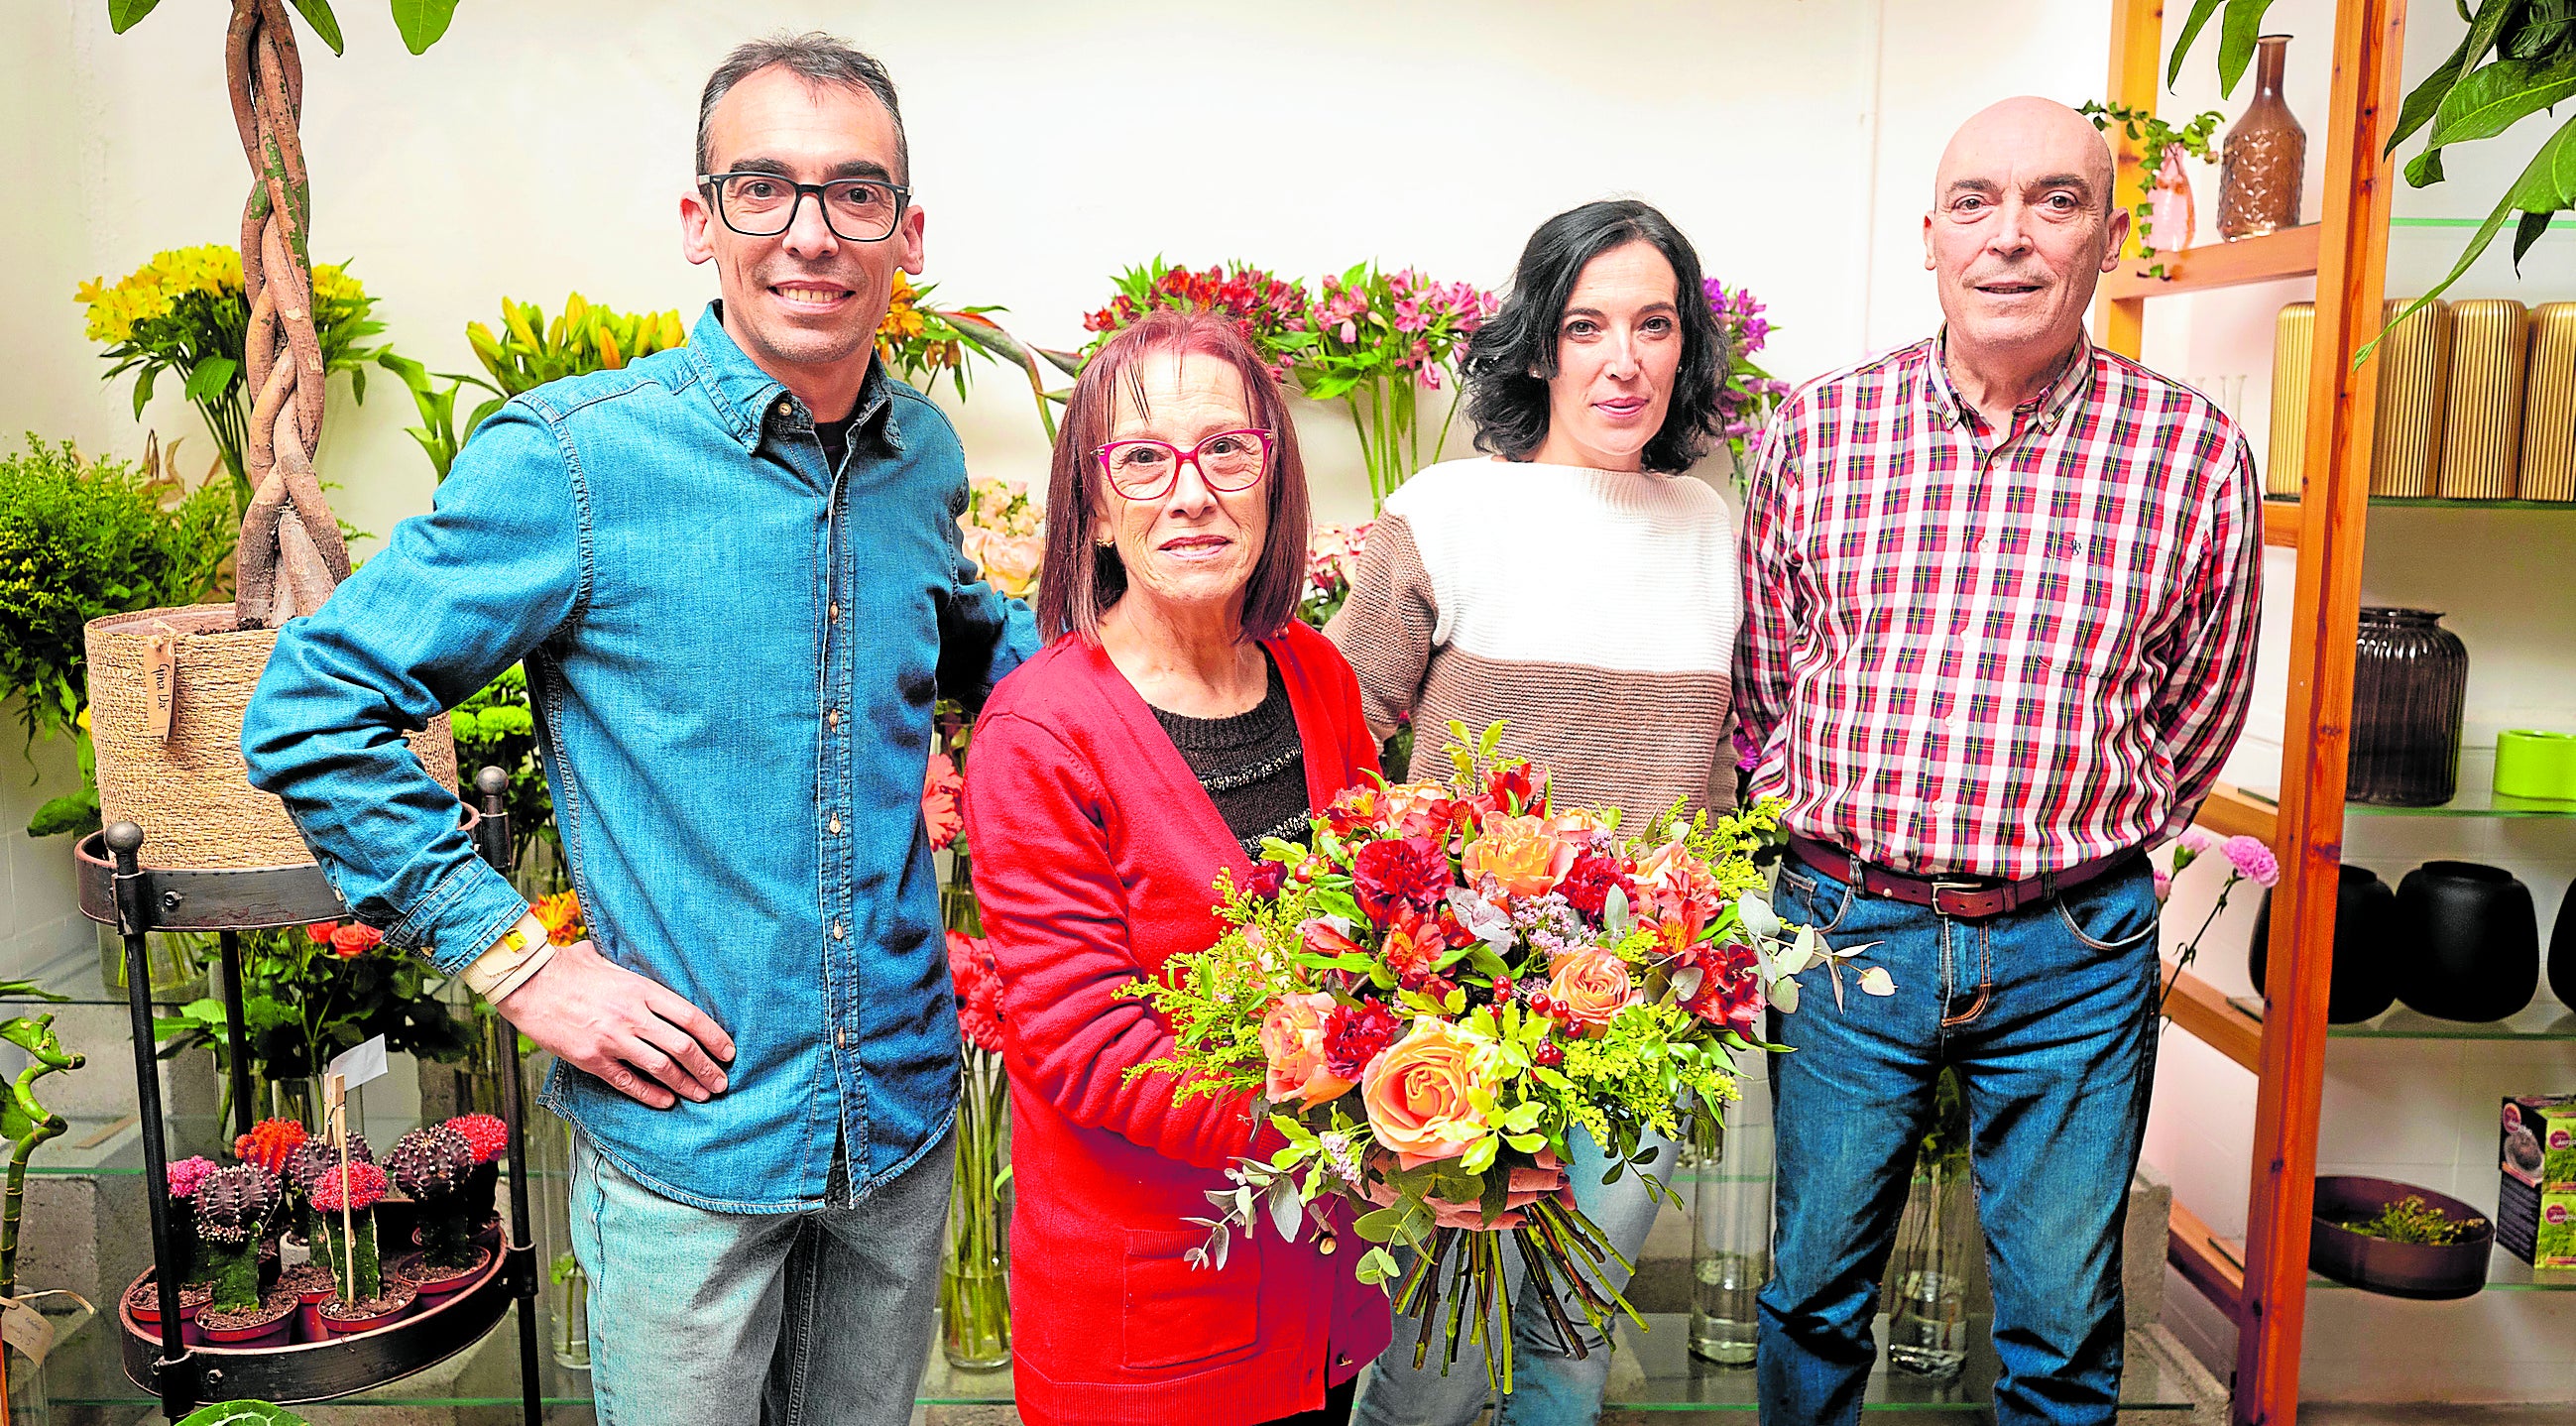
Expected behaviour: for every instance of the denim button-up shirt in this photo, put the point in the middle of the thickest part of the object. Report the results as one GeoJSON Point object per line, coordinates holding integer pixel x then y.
{"type": "Point", "coordinates": [732, 652]}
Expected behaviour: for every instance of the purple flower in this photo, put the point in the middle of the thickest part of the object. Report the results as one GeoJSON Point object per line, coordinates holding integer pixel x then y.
{"type": "Point", "coordinates": [2252, 860]}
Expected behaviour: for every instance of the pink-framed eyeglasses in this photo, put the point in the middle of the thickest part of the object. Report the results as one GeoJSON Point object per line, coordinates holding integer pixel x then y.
{"type": "Point", "coordinates": [1146, 469]}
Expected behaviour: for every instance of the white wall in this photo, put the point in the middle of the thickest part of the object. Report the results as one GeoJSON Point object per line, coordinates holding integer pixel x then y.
{"type": "Point", "coordinates": [2421, 1111]}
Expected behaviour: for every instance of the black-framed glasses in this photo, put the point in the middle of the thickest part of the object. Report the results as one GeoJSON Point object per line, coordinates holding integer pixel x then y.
{"type": "Point", "coordinates": [1146, 469]}
{"type": "Point", "coordinates": [763, 205]}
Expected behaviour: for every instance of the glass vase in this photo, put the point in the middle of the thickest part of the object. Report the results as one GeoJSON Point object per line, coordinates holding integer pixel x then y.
{"type": "Point", "coordinates": [28, 1404]}
{"type": "Point", "coordinates": [175, 963]}
{"type": "Point", "coordinates": [2410, 684]}
{"type": "Point", "coordinates": [2172, 215]}
{"type": "Point", "coordinates": [2265, 156]}
{"type": "Point", "coordinates": [1731, 1224]}
{"type": "Point", "coordinates": [1928, 1328]}
{"type": "Point", "coordinates": [975, 1271]}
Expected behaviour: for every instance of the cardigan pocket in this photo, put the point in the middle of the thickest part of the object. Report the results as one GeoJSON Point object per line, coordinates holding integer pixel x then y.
{"type": "Point", "coordinates": [1176, 1313]}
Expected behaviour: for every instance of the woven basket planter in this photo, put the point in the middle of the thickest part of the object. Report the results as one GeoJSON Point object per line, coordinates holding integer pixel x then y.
{"type": "Point", "coordinates": [190, 791]}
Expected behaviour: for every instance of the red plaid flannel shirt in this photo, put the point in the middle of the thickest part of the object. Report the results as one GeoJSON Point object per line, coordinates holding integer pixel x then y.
{"type": "Point", "coordinates": [1997, 657]}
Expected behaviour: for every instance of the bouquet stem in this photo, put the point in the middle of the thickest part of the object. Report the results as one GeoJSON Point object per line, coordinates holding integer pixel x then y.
{"type": "Point", "coordinates": [974, 1279]}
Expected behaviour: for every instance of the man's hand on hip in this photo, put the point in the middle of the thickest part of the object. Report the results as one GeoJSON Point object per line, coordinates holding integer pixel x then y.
{"type": "Point", "coordinates": [625, 1028]}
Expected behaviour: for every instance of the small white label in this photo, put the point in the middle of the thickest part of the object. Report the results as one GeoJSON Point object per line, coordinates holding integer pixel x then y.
{"type": "Point", "coordinates": [359, 1063]}
{"type": "Point", "coordinates": [26, 1329]}
{"type": "Point", "coordinates": [160, 679]}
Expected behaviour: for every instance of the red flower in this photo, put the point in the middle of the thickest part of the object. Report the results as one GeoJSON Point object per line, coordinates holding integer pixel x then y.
{"type": "Point", "coordinates": [1587, 885]}
{"type": "Point", "coordinates": [1323, 940]}
{"type": "Point", "coordinates": [1354, 1034]}
{"type": "Point", "coordinates": [319, 933]}
{"type": "Point", "coordinates": [980, 1019]}
{"type": "Point", "coordinates": [366, 1182]}
{"type": "Point", "coordinates": [1414, 945]}
{"type": "Point", "coordinates": [1514, 786]}
{"type": "Point", "coordinates": [269, 1142]}
{"type": "Point", "coordinates": [1266, 880]}
{"type": "Point", "coordinates": [1729, 993]}
{"type": "Point", "coordinates": [978, 981]}
{"type": "Point", "coordinates": [1399, 872]}
{"type": "Point", "coordinates": [941, 785]}
{"type": "Point", "coordinates": [485, 1134]}
{"type": "Point", "coordinates": [353, 940]}
{"type": "Point", "coordinates": [1355, 807]}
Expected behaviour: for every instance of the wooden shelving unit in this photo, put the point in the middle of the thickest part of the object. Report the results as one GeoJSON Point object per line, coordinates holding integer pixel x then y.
{"type": "Point", "coordinates": [2263, 1283]}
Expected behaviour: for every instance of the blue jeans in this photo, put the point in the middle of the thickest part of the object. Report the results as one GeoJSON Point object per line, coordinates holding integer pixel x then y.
{"type": "Point", "coordinates": [1550, 1387]}
{"type": "Point", "coordinates": [2049, 1015]}
{"type": "Point", "coordinates": [818, 1316]}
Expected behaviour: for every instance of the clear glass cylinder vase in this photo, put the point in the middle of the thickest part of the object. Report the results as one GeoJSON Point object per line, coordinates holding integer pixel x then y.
{"type": "Point", "coordinates": [1731, 1222]}
{"type": "Point", "coordinates": [975, 1270]}
{"type": "Point", "coordinates": [175, 963]}
{"type": "Point", "coordinates": [1928, 1280]}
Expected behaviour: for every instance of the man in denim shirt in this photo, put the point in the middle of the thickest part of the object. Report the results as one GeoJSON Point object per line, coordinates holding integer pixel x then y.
{"type": "Point", "coordinates": [735, 574]}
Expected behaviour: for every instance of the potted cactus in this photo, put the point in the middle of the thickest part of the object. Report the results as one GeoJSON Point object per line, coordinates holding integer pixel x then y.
{"type": "Point", "coordinates": [234, 1207]}
{"type": "Point", "coordinates": [489, 1138]}
{"type": "Point", "coordinates": [344, 1198]}
{"type": "Point", "coordinates": [434, 1167]}
{"type": "Point", "coordinates": [312, 1278]}
{"type": "Point", "coordinates": [196, 1283]}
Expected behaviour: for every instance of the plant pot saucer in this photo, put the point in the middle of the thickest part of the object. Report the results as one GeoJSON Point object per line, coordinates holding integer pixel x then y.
{"type": "Point", "coordinates": [435, 1330]}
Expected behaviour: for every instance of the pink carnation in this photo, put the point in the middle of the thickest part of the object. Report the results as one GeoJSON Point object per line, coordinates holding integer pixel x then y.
{"type": "Point", "coordinates": [2252, 860]}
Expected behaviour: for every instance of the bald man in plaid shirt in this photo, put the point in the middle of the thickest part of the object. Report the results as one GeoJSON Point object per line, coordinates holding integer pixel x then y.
{"type": "Point", "coordinates": [2001, 600]}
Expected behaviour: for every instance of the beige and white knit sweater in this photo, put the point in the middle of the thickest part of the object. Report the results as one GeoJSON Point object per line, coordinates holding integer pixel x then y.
{"type": "Point", "coordinates": [1594, 610]}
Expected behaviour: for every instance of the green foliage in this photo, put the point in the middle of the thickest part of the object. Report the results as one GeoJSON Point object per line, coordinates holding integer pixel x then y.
{"type": "Point", "coordinates": [419, 22]}
{"type": "Point", "coordinates": [497, 728]}
{"type": "Point", "coordinates": [438, 434]}
{"type": "Point", "coordinates": [2242, 26]}
{"type": "Point", "coordinates": [303, 1003]}
{"type": "Point", "coordinates": [242, 1413]}
{"type": "Point", "coordinates": [2154, 138]}
{"type": "Point", "coordinates": [24, 1121]}
{"type": "Point", "coordinates": [529, 351]}
{"type": "Point", "coordinates": [2412, 1220]}
{"type": "Point", "coordinates": [82, 539]}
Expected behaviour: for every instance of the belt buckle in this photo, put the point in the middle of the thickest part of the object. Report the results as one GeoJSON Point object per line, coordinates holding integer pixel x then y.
{"type": "Point", "coordinates": [1971, 888]}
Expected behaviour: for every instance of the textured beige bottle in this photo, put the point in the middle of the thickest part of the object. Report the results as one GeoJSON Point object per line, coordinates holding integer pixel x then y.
{"type": "Point", "coordinates": [2482, 409]}
{"type": "Point", "coordinates": [2549, 405]}
{"type": "Point", "coordinates": [2414, 364]}
{"type": "Point", "coordinates": [2294, 335]}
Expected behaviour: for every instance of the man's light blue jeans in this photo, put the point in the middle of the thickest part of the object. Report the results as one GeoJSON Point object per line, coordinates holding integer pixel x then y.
{"type": "Point", "coordinates": [821, 1316]}
{"type": "Point", "coordinates": [1550, 1387]}
{"type": "Point", "coordinates": [2050, 1015]}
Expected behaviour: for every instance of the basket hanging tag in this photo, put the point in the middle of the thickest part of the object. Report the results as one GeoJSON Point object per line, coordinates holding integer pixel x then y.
{"type": "Point", "coordinates": [160, 680]}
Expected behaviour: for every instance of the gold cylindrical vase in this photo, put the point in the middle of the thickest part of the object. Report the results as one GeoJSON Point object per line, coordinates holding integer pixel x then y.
{"type": "Point", "coordinates": [2549, 405]}
{"type": "Point", "coordinates": [2294, 335]}
{"type": "Point", "coordinates": [2414, 365]}
{"type": "Point", "coordinates": [2482, 407]}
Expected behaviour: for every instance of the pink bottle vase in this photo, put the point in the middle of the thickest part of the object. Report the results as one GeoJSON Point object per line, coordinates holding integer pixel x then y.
{"type": "Point", "coordinates": [2172, 215]}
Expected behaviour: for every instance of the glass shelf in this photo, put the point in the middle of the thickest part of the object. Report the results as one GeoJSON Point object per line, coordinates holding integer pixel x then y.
{"type": "Point", "coordinates": [2477, 797]}
{"type": "Point", "coordinates": [2505, 1273]}
{"type": "Point", "coordinates": [2544, 1019]}
{"type": "Point", "coordinates": [76, 976]}
{"type": "Point", "coordinates": [1654, 1372]}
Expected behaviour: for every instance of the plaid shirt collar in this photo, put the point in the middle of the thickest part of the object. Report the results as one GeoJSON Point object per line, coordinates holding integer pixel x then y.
{"type": "Point", "coordinates": [2073, 380]}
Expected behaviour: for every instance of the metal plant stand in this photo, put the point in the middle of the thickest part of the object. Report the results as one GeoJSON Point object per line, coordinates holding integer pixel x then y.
{"type": "Point", "coordinates": [115, 889]}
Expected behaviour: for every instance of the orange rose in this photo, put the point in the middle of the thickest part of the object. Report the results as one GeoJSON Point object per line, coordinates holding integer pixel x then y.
{"type": "Point", "coordinates": [1520, 852]}
{"type": "Point", "coordinates": [1292, 1039]}
{"type": "Point", "coordinates": [1593, 985]}
{"type": "Point", "coordinates": [1416, 1091]}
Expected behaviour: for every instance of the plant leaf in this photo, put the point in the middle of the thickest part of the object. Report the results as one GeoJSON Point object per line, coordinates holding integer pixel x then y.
{"type": "Point", "coordinates": [2497, 97]}
{"type": "Point", "coordinates": [2242, 26]}
{"type": "Point", "coordinates": [2424, 169]}
{"type": "Point", "coordinates": [2526, 233]}
{"type": "Point", "coordinates": [2544, 187]}
{"type": "Point", "coordinates": [1876, 981]}
{"type": "Point", "coordinates": [2192, 25]}
{"type": "Point", "coordinates": [122, 14]}
{"type": "Point", "coordinates": [1784, 993]}
{"type": "Point", "coordinates": [207, 381]}
{"type": "Point", "coordinates": [326, 25]}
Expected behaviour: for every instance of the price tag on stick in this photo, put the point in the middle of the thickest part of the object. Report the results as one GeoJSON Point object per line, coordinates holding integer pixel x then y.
{"type": "Point", "coordinates": [360, 1063]}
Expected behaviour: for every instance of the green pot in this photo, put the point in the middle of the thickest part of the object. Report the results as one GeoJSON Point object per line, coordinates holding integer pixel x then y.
{"type": "Point", "coordinates": [2534, 763]}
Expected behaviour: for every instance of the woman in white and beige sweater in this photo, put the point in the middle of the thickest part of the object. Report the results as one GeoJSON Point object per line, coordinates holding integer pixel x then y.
{"type": "Point", "coordinates": [1576, 583]}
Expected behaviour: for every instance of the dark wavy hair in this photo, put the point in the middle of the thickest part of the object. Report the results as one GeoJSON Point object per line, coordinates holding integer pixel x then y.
{"type": "Point", "coordinates": [1512, 357]}
{"type": "Point", "coordinates": [1080, 578]}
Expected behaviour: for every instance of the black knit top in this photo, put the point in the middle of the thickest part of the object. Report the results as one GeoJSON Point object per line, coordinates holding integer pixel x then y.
{"type": "Point", "coordinates": [1251, 765]}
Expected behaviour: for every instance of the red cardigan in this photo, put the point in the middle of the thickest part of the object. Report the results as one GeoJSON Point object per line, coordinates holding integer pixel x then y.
{"type": "Point", "coordinates": [1094, 847]}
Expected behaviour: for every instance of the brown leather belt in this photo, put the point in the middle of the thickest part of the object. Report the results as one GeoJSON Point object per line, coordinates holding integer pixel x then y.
{"type": "Point", "coordinates": [1967, 898]}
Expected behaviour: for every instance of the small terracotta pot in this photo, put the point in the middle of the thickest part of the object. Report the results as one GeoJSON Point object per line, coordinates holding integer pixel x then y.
{"type": "Point", "coordinates": [416, 1271]}
{"type": "Point", "coordinates": [144, 1301]}
{"type": "Point", "coordinates": [400, 1295]}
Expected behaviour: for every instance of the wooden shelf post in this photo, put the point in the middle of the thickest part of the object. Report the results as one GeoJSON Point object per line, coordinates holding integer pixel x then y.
{"type": "Point", "coordinates": [2351, 274]}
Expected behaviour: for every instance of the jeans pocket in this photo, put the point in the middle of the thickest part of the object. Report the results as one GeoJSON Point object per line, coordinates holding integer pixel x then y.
{"type": "Point", "coordinates": [1801, 900]}
{"type": "Point", "coordinates": [2107, 914]}
{"type": "Point", "coordinates": [1176, 1313]}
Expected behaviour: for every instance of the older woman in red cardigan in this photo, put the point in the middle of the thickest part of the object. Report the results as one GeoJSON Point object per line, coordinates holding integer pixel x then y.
{"type": "Point", "coordinates": [1178, 716]}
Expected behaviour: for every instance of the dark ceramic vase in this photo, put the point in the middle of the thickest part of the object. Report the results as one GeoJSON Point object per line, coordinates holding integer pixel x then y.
{"type": "Point", "coordinates": [2410, 681]}
{"type": "Point", "coordinates": [2365, 980]}
{"type": "Point", "coordinates": [2468, 942]}
{"type": "Point", "coordinates": [2562, 952]}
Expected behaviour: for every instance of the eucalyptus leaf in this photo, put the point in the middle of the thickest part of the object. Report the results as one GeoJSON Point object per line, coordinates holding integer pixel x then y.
{"type": "Point", "coordinates": [1287, 1214]}
{"type": "Point", "coordinates": [1876, 981]}
{"type": "Point", "coordinates": [1784, 993]}
{"type": "Point", "coordinates": [1757, 916]}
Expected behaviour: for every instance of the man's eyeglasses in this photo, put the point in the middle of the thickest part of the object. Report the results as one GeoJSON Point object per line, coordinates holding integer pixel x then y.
{"type": "Point", "coordinates": [1146, 469]}
{"type": "Point", "coordinates": [763, 205]}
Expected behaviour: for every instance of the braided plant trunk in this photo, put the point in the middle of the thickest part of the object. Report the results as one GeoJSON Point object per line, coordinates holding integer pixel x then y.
{"type": "Point", "coordinates": [291, 555]}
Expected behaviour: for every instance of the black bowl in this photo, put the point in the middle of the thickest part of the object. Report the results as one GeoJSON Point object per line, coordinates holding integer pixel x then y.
{"type": "Point", "coordinates": [2468, 942]}
{"type": "Point", "coordinates": [2420, 1270]}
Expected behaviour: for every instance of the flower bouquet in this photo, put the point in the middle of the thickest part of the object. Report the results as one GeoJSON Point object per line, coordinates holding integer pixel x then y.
{"type": "Point", "coordinates": [1271, 311]}
{"type": "Point", "coordinates": [1378, 337]}
{"type": "Point", "coordinates": [1431, 999]}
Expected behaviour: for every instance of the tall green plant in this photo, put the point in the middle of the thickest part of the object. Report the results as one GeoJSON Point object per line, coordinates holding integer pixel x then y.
{"type": "Point", "coordinates": [82, 539]}
{"type": "Point", "coordinates": [23, 1121]}
{"type": "Point", "coordinates": [2517, 59]}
